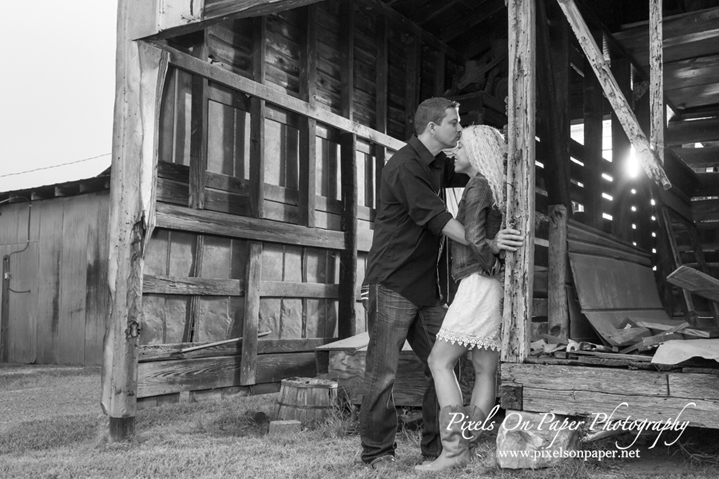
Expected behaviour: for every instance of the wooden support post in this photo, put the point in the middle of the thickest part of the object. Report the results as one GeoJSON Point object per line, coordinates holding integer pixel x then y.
{"type": "Point", "coordinates": [140, 77]}
{"type": "Point", "coordinates": [593, 118]}
{"type": "Point", "coordinates": [520, 178]}
{"type": "Point", "coordinates": [656, 75]}
{"type": "Point", "coordinates": [250, 326]}
{"type": "Point", "coordinates": [308, 126]}
{"type": "Point", "coordinates": [257, 121]}
{"type": "Point", "coordinates": [348, 257]}
{"type": "Point", "coordinates": [193, 314]}
{"type": "Point", "coordinates": [553, 77]}
{"type": "Point", "coordinates": [622, 214]}
{"type": "Point", "coordinates": [198, 132]}
{"type": "Point", "coordinates": [614, 94]}
{"type": "Point", "coordinates": [666, 222]}
{"type": "Point", "coordinates": [558, 308]}
{"type": "Point", "coordinates": [5, 310]}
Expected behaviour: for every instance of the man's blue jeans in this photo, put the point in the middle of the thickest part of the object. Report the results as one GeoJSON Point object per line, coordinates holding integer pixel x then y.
{"type": "Point", "coordinates": [392, 319]}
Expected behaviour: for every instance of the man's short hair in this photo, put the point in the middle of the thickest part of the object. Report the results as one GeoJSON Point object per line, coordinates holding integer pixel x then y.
{"type": "Point", "coordinates": [431, 110]}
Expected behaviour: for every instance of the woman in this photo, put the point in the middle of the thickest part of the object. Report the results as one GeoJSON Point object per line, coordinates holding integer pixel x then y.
{"type": "Point", "coordinates": [473, 320]}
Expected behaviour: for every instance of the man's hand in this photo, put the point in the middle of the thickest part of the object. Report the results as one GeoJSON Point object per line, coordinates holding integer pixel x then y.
{"type": "Point", "coordinates": [507, 239]}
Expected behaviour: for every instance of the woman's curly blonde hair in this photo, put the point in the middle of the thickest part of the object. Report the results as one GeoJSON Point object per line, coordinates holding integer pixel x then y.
{"type": "Point", "coordinates": [486, 151]}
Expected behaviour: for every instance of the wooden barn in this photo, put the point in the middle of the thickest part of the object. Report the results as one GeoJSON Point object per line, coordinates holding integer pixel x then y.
{"type": "Point", "coordinates": [249, 140]}
{"type": "Point", "coordinates": [53, 241]}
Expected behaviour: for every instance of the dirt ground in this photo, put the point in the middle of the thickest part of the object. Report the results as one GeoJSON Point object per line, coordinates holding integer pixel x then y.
{"type": "Point", "coordinates": [37, 392]}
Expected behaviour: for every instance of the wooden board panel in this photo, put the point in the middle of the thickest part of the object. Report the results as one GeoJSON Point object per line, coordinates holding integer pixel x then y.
{"type": "Point", "coordinates": [73, 281]}
{"type": "Point", "coordinates": [51, 226]}
{"type": "Point", "coordinates": [166, 377]}
{"type": "Point", "coordinates": [694, 386]}
{"type": "Point", "coordinates": [20, 325]}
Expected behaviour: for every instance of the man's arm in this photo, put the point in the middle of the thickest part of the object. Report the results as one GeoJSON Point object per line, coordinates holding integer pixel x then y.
{"type": "Point", "coordinates": [454, 230]}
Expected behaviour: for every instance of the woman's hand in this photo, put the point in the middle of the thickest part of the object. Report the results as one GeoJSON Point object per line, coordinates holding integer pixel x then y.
{"type": "Point", "coordinates": [507, 239]}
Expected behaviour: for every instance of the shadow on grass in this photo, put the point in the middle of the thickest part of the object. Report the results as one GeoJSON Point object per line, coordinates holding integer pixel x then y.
{"type": "Point", "coordinates": [47, 434]}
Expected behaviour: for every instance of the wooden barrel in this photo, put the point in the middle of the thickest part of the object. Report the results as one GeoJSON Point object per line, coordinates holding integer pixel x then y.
{"type": "Point", "coordinates": [308, 400]}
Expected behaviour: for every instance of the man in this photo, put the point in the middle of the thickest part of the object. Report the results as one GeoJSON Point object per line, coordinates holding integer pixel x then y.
{"type": "Point", "coordinates": [404, 301]}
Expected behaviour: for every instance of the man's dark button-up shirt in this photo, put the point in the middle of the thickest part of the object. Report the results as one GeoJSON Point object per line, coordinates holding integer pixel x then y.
{"type": "Point", "coordinates": [409, 222]}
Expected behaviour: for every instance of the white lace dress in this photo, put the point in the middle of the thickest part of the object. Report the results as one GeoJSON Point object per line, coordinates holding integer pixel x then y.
{"type": "Point", "coordinates": [474, 317]}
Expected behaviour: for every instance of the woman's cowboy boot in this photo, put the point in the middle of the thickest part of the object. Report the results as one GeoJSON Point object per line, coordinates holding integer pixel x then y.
{"type": "Point", "coordinates": [475, 431]}
{"type": "Point", "coordinates": [455, 448]}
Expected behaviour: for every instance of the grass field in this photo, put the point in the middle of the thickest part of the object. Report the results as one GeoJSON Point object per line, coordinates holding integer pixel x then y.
{"type": "Point", "coordinates": [219, 439]}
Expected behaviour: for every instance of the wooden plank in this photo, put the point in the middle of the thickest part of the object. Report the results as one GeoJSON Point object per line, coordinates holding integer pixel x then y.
{"type": "Point", "coordinates": [696, 282]}
{"type": "Point", "coordinates": [558, 308]}
{"type": "Point", "coordinates": [348, 257]}
{"type": "Point", "coordinates": [520, 177]}
{"type": "Point", "coordinates": [5, 311]}
{"type": "Point", "coordinates": [248, 369]}
{"type": "Point", "coordinates": [308, 126]}
{"type": "Point", "coordinates": [656, 79]}
{"type": "Point", "coordinates": [586, 380]}
{"type": "Point", "coordinates": [210, 222]}
{"type": "Point", "coordinates": [286, 289]}
{"type": "Point", "coordinates": [189, 286]}
{"type": "Point", "coordinates": [188, 63]}
{"type": "Point", "coordinates": [167, 352]}
{"type": "Point", "coordinates": [346, 48]}
{"type": "Point", "coordinates": [166, 377]}
{"type": "Point", "coordinates": [608, 252]}
{"type": "Point", "coordinates": [614, 94]}
{"type": "Point", "coordinates": [50, 245]}
{"type": "Point", "coordinates": [96, 305]}
{"type": "Point", "coordinates": [693, 386]}
{"type": "Point", "coordinates": [199, 120]}
{"type": "Point", "coordinates": [258, 111]}
{"type": "Point", "coordinates": [72, 281]}
{"type": "Point", "coordinates": [140, 77]}
{"type": "Point", "coordinates": [593, 118]}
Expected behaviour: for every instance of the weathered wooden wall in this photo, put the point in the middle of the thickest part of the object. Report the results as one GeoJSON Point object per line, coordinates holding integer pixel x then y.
{"type": "Point", "coordinates": [265, 201]}
{"type": "Point", "coordinates": [57, 313]}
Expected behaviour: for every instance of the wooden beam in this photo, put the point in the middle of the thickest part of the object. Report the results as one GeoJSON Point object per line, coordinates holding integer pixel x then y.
{"type": "Point", "coordinates": [308, 126]}
{"type": "Point", "coordinates": [519, 276]}
{"type": "Point", "coordinates": [258, 111]}
{"type": "Point", "coordinates": [237, 82]}
{"type": "Point", "coordinates": [614, 94]}
{"type": "Point", "coordinates": [250, 324]}
{"type": "Point", "coordinates": [348, 257]}
{"type": "Point", "coordinates": [695, 131]}
{"type": "Point", "coordinates": [234, 226]}
{"type": "Point", "coordinates": [656, 80]}
{"type": "Point", "coordinates": [593, 161]}
{"type": "Point", "coordinates": [553, 124]}
{"type": "Point", "coordinates": [198, 130]}
{"type": "Point", "coordinates": [140, 76]}
{"type": "Point", "coordinates": [621, 149]}
{"type": "Point", "coordinates": [558, 308]}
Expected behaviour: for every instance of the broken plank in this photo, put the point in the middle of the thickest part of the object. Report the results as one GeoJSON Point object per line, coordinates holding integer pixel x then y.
{"type": "Point", "coordinates": [696, 282]}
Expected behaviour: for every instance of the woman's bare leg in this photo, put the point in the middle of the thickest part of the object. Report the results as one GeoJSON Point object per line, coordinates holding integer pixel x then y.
{"type": "Point", "coordinates": [441, 361]}
{"type": "Point", "coordinates": [485, 378]}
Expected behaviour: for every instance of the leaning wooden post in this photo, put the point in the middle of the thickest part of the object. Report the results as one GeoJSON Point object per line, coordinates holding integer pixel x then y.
{"type": "Point", "coordinates": [614, 94]}
{"type": "Point", "coordinates": [520, 180]}
{"type": "Point", "coordinates": [558, 309]}
{"type": "Point", "coordinates": [140, 74]}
